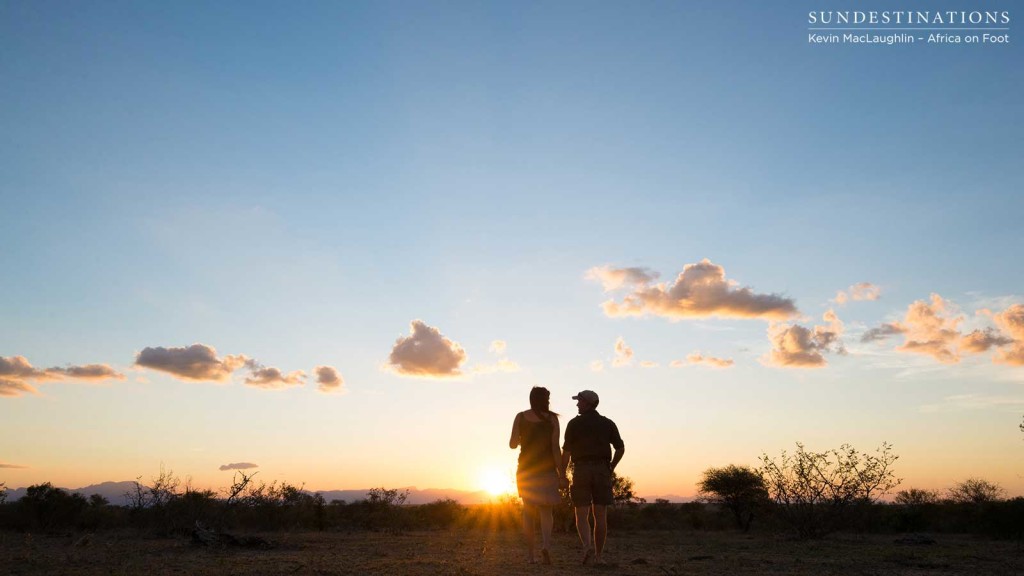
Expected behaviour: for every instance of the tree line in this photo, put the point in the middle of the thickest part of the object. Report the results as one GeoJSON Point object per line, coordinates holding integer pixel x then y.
{"type": "Point", "coordinates": [809, 494]}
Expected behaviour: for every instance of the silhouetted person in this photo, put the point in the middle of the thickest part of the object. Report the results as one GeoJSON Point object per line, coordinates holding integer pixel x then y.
{"type": "Point", "coordinates": [536, 430]}
{"type": "Point", "coordinates": [589, 438]}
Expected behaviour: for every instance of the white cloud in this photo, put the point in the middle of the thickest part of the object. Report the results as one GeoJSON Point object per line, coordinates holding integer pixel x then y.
{"type": "Point", "coordinates": [962, 402]}
{"type": "Point", "coordinates": [17, 371]}
{"type": "Point", "coordinates": [699, 291]}
{"type": "Point", "coordinates": [698, 358]}
{"type": "Point", "coordinates": [328, 379]}
{"type": "Point", "coordinates": [197, 362]}
{"type": "Point", "coordinates": [426, 353]}
{"type": "Point", "coordinates": [623, 354]}
{"type": "Point", "coordinates": [794, 346]}
{"type": "Point", "coordinates": [238, 466]}
{"type": "Point", "coordinates": [270, 378]}
{"type": "Point", "coordinates": [1011, 321]}
{"type": "Point", "coordinates": [859, 291]}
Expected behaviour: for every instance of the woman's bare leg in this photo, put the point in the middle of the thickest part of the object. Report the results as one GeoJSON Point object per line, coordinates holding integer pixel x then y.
{"type": "Point", "coordinates": [529, 519]}
{"type": "Point", "coordinates": [546, 522]}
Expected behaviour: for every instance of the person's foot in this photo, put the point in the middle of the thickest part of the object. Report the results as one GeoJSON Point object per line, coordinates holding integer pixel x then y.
{"type": "Point", "coordinates": [545, 557]}
{"type": "Point", "coordinates": [587, 555]}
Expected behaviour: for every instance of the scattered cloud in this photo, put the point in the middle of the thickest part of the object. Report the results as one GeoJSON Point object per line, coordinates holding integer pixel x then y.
{"type": "Point", "coordinates": [17, 371]}
{"type": "Point", "coordinates": [979, 341]}
{"type": "Point", "coordinates": [10, 388]}
{"type": "Point", "coordinates": [859, 291]}
{"type": "Point", "coordinates": [698, 358]}
{"type": "Point", "coordinates": [700, 290]}
{"type": "Point", "coordinates": [270, 378]}
{"type": "Point", "coordinates": [597, 366]}
{"type": "Point", "coordinates": [794, 346]}
{"type": "Point", "coordinates": [615, 278]}
{"type": "Point", "coordinates": [197, 362]}
{"type": "Point", "coordinates": [238, 466]}
{"type": "Point", "coordinates": [648, 364]}
{"type": "Point", "coordinates": [328, 379]}
{"type": "Point", "coordinates": [676, 364]}
{"type": "Point", "coordinates": [500, 349]}
{"type": "Point", "coordinates": [964, 402]}
{"type": "Point", "coordinates": [882, 332]}
{"type": "Point", "coordinates": [623, 354]}
{"type": "Point", "coordinates": [12, 466]}
{"type": "Point", "coordinates": [931, 329]}
{"type": "Point", "coordinates": [1011, 321]}
{"type": "Point", "coordinates": [92, 372]}
{"type": "Point", "coordinates": [19, 368]}
{"type": "Point", "coordinates": [426, 353]}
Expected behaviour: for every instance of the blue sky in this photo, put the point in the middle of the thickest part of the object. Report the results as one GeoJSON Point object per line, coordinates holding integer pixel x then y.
{"type": "Point", "coordinates": [297, 184]}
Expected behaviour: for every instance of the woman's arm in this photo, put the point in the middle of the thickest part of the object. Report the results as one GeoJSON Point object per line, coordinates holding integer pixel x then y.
{"type": "Point", "coordinates": [555, 434]}
{"type": "Point", "coordinates": [513, 441]}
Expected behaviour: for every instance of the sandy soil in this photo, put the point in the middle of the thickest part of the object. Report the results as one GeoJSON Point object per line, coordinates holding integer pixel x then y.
{"type": "Point", "coordinates": [479, 552]}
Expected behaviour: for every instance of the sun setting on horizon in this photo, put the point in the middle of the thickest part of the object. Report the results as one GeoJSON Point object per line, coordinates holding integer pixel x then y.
{"type": "Point", "coordinates": [497, 482]}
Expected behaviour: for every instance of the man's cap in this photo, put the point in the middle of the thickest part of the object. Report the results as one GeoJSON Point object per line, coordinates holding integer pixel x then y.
{"type": "Point", "coordinates": [587, 395]}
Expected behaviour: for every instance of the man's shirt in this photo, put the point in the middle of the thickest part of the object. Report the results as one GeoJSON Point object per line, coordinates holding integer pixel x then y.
{"type": "Point", "coordinates": [589, 437]}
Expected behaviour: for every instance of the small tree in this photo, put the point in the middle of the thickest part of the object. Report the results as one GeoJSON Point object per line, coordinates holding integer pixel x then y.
{"type": "Point", "coordinates": [623, 491]}
{"type": "Point", "coordinates": [975, 491]}
{"type": "Point", "coordinates": [3, 493]}
{"type": "Point", "coordinates": [815, 491]}
{"type": "Point", "coordinates": [738, 489]}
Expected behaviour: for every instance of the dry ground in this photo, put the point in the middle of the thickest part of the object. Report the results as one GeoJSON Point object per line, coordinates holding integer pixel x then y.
{"type": "Point", "coordinates": [479, 552]}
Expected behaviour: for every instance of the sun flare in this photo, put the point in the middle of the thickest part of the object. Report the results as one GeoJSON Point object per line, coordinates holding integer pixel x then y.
{"type": "Point", "coordinates": [497, 482]}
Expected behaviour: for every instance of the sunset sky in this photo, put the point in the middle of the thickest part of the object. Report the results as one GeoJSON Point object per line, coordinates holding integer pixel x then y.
{"type": "Point", "coordinates": [340, 241]}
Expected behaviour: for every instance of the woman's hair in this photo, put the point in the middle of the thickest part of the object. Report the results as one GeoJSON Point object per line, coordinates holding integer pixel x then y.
{"type": "Point", "coordinates": [540, 401]}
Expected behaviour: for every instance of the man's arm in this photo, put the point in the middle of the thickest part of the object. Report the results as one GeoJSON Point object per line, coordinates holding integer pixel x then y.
{"type": "Point", "coordinates": [617, 455]}
{"type": "Point", "coordinates": [618, 445]}
{"type": "Point", "coordinates": [566, 451]}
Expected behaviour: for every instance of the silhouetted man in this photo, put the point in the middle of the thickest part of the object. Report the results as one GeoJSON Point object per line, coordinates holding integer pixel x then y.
{"type": "Point", "coordinates": [589, 438]}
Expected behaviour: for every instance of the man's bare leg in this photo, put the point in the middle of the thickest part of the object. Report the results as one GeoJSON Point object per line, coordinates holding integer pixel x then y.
{"type": "Point", "coordinates": [529, 516]}
{"type": "Point", "coordinates": [600, 529]}
{"type": "Point", "coordinates": [583, 529]}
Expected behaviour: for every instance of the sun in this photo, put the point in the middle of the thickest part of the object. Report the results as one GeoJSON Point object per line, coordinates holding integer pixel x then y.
{"type": "Point", "coordinates": [496, 481]}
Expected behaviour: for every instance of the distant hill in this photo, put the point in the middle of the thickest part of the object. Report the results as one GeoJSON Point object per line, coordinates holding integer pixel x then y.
{"type": "Point", "coordinates": [115, 492]}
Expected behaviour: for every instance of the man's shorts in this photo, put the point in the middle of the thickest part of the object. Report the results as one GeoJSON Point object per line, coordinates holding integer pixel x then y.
{"type": "Point", "coordinates": [591, 484]}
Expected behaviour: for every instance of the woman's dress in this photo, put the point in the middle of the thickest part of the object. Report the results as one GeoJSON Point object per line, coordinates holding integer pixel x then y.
{"type": "Point", "coordinates": [536, 476]}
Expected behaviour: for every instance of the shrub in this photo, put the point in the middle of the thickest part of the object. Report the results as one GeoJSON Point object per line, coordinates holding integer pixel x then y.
{"type": "Point", "coordinates": [738, 489]}
{"type": "Point", "coordinates": [442, 513]}
{"type": "Point", "coordinates": [916, 497]}
{"type": "Point", "coordinates": [816, 492]}
{"type": "Point", "coordinates": [47, 508]}
{"type": "Point", "coordinates": [975, 491]}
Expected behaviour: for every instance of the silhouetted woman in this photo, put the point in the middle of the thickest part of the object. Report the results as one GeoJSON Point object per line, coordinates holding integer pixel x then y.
{"type": "Point", "coordinates": [536, 431]}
